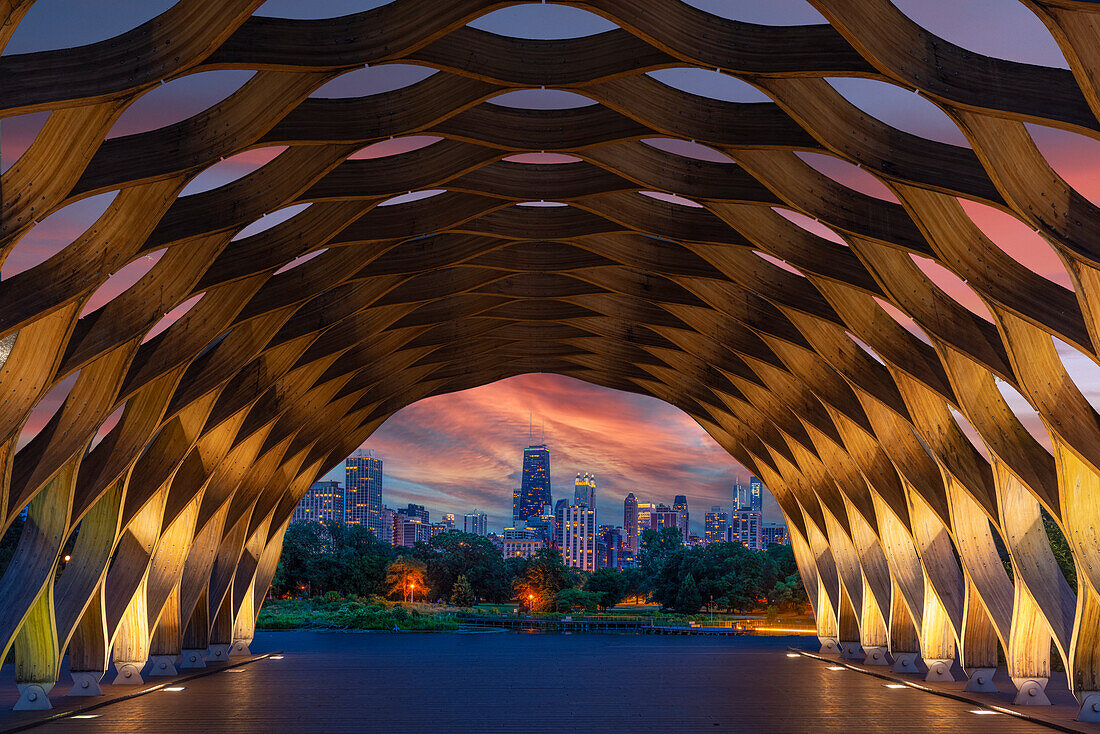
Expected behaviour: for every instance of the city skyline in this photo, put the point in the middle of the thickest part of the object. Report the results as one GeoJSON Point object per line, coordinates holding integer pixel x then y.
{"type": "Point", "coordinates": [463, 451]}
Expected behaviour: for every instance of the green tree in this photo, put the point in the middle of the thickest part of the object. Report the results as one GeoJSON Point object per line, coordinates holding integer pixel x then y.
{"type": "Point", "coordinates": [688, 599]}
{"type": "Point", "coordinates": [453, 554]}
{"type": "Point", "coordinates": [576, 600]}
{"type": "Point", "coordinates": [405, 577]}
{"type": "Point", "coordinates": [655, 546]}
{"type": "Point", "coordinates": [790, 593]}
{"type": "Point", "coordinates": [462, 594]}
{"type": "Point", "coordinates": [302, 543]}
{"type": "Point", "coordinates": [609, 586]}
{"type": "Point", "coordinates": [540, 579]}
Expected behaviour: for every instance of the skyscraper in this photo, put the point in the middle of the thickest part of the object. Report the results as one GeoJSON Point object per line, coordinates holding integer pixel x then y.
{"type": "Point", "coordinates": [584, 490]}
{"type": "Point", "coordinates": [680, 504]}
{"type": "Point", "coordinates": [579, 537]}
{"type": "Point", "coordinates": [750, 529]}
{"type": "Point", "coordinates": [645, 510]}
{"type": "Point", "coordinates": [516, 520]}
{"type": "Point", "coordinates": [363, 491]}
{"type": "Point", "coordinates": [449, 521]}
{"type": "Point", "coordinates": [717, 522]}
{"type": "Point", "coordinates": [534, 491]}
{"type": "Point", "coordinates": [756, 494]}
{"type": "Point", "coordinates": [610, 542]}
{"type": "Point", "coordinates": [741, 496]}
{"type": "Point", "coordinates": [774, 532]}
{"type": "Point", "coordinates": [323, 502]}
{"type": "Point", "coordinates": [559, 520]}
{"type": "Point", "coordinates": [630, 523]}
{"type": "Point", "coordinates": [475, 522]}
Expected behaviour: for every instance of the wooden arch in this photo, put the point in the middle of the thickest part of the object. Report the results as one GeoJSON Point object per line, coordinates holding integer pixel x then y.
{"type": "Point", "coordinates": [773, 338]}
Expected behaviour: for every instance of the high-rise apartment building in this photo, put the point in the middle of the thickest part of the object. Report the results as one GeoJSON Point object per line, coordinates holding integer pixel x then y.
{"type": "Point", "coordinates": [408, 531]}
{"type": "Point", "coordinates": [323, 503]}
{"type": "Point", "coordinates": [664, 516]}
{"type": "Point", "coordinates": [475, 522]}
{"type": "Point", "coordinates": [645, 510]}
{"type": "Point", "coordinates": [750, 526]}
{"type": "Point", "coordinates": [520, 547]}
{"type": "Point", "coordinates": [680, 504]}
{"type": "Point", "coordinates": [418, 511]}
{"type": "Point", "coordinates": [363, 491]}
{"type": "Point", "coordinates": [516, 512]}
{"type": "Point", "coordinates": [756, 494]}
{"type": "Point", "coordinates": [579, 537]}
{"type": "Point", "coordinates": [610, 542]}
{"type": "Point", "coordinates": [716, 524]}
{"type": "Point", "coordinates": [584, 490]}
{"type": "Point", "coordinates": [774, 532]}
{"type": "Point", "coordinates": [559, 520]}
{"type": "Point", "coordinates": [388, 515]}
{"type": "Point", "coordinates": [741, 496]}
{"type": "Point", "coordinates": [630, 523]}
{"type": "Point", "coordinates": [534, 491]}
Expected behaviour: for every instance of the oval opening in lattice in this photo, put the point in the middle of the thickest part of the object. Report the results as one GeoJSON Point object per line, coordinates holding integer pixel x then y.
{"type": "Point", "coordinates": [542, 99]}
{"type": "Point", "coordinates": [394, 146]}
{"type": "Point", "coordinates": [316, 9]}
{"type": "Point", "coordinates": [271, 219]}
{"type": "Point", "coordinates": [544, 21]}
{"type": "Point", "coordinates": [178, 100]}
{"type": "Point", "coordinates": [374, 80]}
{"type": "Point", "coordinates": [1004, 29]}
{"type": "Point", "coordinates": [772, 12]}
{"type": "Point", "coordinates": [17, 135]}
{"type": "Point", "coordinates": [953, 286]}
{"type": "Point", "coordinates": [900, 108]}
{"type": "Point", "coordinates": [671, 199]}
{"type": "Point", "coordinates": [172, 317]}
{"type": "Point", "coordinates": [809, 224]}
{"type": "Point", "coordinates": [848, 175]}
{"type": "Point", "coordinates": [54, 25]}
{"type": "Point", "coordinates": [299, 261]}
{"type": "Point", "coordinates": [231, 169]}
{"type": "Point", "coordinates": [710, 84]}
{"type": "Point", "coordinates": [412, 196]}
{"type": "Point", "coordinates": [1018, 241]}
{"type": "Point", "coordinates": [542, 159]}
{"type": "Point", "coordinates": [779, 263]}
{"type": "Point", "coordinates": [121, 280]}
{"type": "Point", "coordinates": [688, 149]}
{"type": "Point", "coordinates": [54, 233]}
{"type": "Point", "coordinates": [1074, 157]}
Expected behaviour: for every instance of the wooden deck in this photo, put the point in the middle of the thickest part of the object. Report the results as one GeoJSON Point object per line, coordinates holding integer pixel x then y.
{"type": "Point", "coordinates": [471, 683]}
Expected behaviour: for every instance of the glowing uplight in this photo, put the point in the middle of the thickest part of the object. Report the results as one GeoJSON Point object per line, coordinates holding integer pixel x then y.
{"type": "Point", "coordinates": [983, 711]}
{"type": "Point", "coordinates": [174, 688]}
{"type": "Point", "coordinates": [837, 667]}
{"type": "Point", "coordinates": [895, 685]}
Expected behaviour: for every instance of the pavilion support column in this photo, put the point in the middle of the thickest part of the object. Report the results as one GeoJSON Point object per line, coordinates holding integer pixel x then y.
{"type": "Point", "coordinates": [848, 628]}
{"type": "Point", "coordinates": [944, 590]}
{"type": "Point", "coordinates": [88, 650]}
{"type": "Point", "coordinates": [904, 638]}
{"type": "Point", "coordinates": [196, 635]}
{"type": "Point", "coordinates": [828, 587]}
{"type": "Point", "coordinates": [1028, 653]}
{"type": "Point", "coordinates": [1080, 495]}
{"type": "Point", "coordinates": [244, 626]}
{"type": "Point", "coordinates": [874, 625]}
{"type": "Point", "coordinates": [27, 619]}
{"type": "Point", "coordinates": [131, 644]}
{"type": "Point", "coordinates": [851, 588]}
{"type": "Point", "coordinates": [979, 647]}
{"type": "Point", "coordinates": [221, 630]}
{"type": "Point", "coordinates": [165, 646]}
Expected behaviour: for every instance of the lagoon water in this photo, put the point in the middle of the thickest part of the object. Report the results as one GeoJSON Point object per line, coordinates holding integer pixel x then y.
{"type": "Point", "coordinates": [334, 682]}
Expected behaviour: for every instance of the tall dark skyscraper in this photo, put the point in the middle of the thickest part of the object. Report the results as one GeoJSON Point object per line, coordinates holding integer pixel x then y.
{"type": "Point", "coordinates": [630, 523]}
{"type": "Point", "coordinates": [584, 490]}
{"type": "Point", "coordinates": [680, 504]}
{"type": "Point", "coordinates": [363, 491]}
{"type": "Point", "coordinates": [534, 491]}
{"type": "Point", "coordinates": [756, 494]}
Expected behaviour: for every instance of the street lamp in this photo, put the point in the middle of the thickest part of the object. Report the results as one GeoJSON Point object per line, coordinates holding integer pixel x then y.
{"type": "Point", "coordinates": [530, 602]}
{"type": "Point", "coordinates": [412, 591]}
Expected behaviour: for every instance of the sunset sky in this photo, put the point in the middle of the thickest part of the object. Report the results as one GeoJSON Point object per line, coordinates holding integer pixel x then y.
{"type": "Point", "coordinates": [459, 452]}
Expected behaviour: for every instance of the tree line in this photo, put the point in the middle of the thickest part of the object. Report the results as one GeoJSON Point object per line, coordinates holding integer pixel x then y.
{"type": "Point", "coordinates": [464, 569]}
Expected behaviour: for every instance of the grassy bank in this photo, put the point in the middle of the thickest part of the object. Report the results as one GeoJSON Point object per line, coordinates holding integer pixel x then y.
{"type": "Point", "coordinates": [348, 614]}
{"type": "Point", "coordinates": [357, 613]}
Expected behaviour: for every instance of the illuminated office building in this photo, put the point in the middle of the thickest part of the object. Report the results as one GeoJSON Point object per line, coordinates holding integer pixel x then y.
{"type": "Point", "coordinates": [630, 523]}
{"type": "Point", "coordinates": [680, 504]}
{"type": "Point", "coordinates": [363, 491]}
{"type": "Point", "coordinates": [521, 547]}
{"type": "Point", "coordinates": [475, 522]}
{"type": "Point", "coordinates": [579, 537]}
{"type": "Point", "coordinates": [584, 490]}
{"type": "Point", "coordinates": [323, 503]}
{"type": "Point", "coordinates": [773, 532]}
{"type": "Point", "coordinates": [716, 524]}
{"type": "Point", "coordinates": [534, 491]}
{"type": "Point", "coordinates": [750, 526]}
